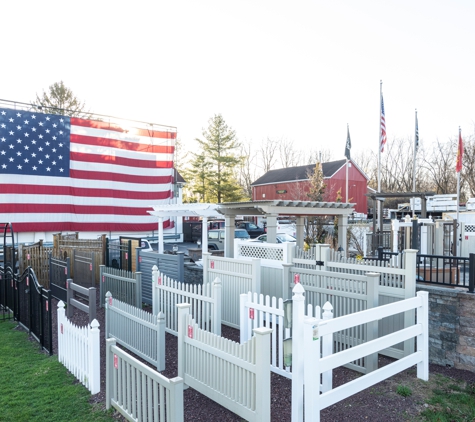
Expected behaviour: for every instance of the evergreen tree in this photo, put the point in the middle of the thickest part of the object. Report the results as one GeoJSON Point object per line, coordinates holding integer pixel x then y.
{"type": "Point", "coordinates": [317, 184]}
{"type": "Point", "coordinates": [220, 161]}
{"type": "Point", "coordinates": [60, 100]}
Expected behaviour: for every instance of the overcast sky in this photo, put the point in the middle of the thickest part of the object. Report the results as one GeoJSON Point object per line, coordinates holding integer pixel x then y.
{"type": "Point", "coordinates": [294, 70]}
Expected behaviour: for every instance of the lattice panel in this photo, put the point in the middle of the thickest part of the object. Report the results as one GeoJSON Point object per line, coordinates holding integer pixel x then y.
{"type": "Point", "coordinates": [263, 252]}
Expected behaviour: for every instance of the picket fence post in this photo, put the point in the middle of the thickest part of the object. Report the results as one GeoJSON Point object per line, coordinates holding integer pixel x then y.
{"type": "Point", "coordinates": [262, 336]}
{"type": "Point", "coordinates": [217, 297]}
{"type": "Point", "coordinates": [205, 257]}
{"type": "Point", "coordinates": [69, 295]}
{"type": "Point", "coordinates": [107, 313]}
{"type": "Point", "coordinates": [61, 317]}
{"type": "Point", "coordinates": [409, 291]}
{"type": "Point", "coordinates": [94, 358]}
{"type": "Point", "coordinates": [161, 341]}
{"type": "Point", "coordinates": [109, 372]}
{"type": "Point", "coordinates": [155, 304]}
{"type": "Point", "coordinates": [311, 346]}
{"type": "Point", "coordinates": [423, 338]}
{"type": "Point", "coordinates": [138, 289]}
{"type": "Point", "coordinates": [183, 311]}
{"type": "Point", "coordinates": [298, 355]}
{"type": "Point", "coordinates": [327, 349]}
{"type": "Point", "coordinates": [243, 326]}
{"type": "Point", "coordinates": [372, 291]}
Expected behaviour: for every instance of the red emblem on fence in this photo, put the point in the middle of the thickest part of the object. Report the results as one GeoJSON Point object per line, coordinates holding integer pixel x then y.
{"type": "Point", "coordinates": [28, 257]}
{"type": "Point", "coordinates": [140, 259]}
{"type": "Point", "coordinates": [159, 280]}
{"type": "Point", "coordinates": [190, 331]}
{"type": "Point", "coordinates": [27, 281]}
{"type": "Point", "coordinates": [251, 313]}
{"type": "Point", "coordinates": [90, 267]}
{"type": "Point", "coordinates": [296, 278]}
{"type": "Point", "coordinates": [103, 278]}
{"type": "Point", "coordinates": [212, 265]}
{"type": "Point", "coordinates": [126, 255]}
{"type": "Point", "coordinates": [66, 270]}
{"type": "Point", "coordinates": [61, 328]}
{"type": "Point", "coordinates": [46, 306]}
{"type": "Point", "coordinates": [116, 362]}
{"type": "Point", "coordinates": [110, 301]}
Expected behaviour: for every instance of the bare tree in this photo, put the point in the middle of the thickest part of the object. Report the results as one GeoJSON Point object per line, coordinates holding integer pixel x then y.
{"type": "Point", "coordinates": [268, 154]}
{"type": "Point", "coordinates": [288, 155]}
{"type": "Point", "coordinates": [248, 172]}
{"type": "Point", "coordinates": [468, 169]}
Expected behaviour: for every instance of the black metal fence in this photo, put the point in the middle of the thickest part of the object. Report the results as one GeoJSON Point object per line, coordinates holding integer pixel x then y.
{"type": "Point", "coordinates": [28, 303]}
{"type": "Point", "coordinates": [118, 254]}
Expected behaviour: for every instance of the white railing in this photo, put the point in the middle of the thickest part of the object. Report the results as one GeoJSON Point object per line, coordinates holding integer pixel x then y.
{"type": "Point", "coordinates": [313, 365]}
{"type": "Point", "coordinates": [79, 350]}
{"type": "Point", "coordinates": [237, 376]}
{"type": "Point", "coordinates": [237, 276]}
{"type": "Point", "coordinates": [139, 331]}
{"type": "Point", "coordinates": [258, 311]}
{"type": "Point", "coordinates": [138, 392]}
{"type": "Point", "coordinates": [205, 300]}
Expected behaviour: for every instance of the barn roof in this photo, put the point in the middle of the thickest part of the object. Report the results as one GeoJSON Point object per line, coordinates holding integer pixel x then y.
{"type": "Point", "coordinates": [292, 174]}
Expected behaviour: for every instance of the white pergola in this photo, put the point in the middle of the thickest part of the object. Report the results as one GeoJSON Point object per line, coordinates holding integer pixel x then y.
{"type": "Point", "coordinates": [204, 211]}
{"type": "Point", "coordinates": [270, 209]}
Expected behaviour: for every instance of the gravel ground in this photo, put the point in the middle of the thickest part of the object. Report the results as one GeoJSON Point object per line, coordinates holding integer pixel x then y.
{"type": "Point", "coordinates": [372, 404]}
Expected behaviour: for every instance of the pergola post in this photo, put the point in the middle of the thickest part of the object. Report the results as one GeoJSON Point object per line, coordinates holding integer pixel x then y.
{"type": "Point", "coordinates": [160, 235]}
{"type": "Point", "coordinates": [204, 234]}
{"type": "Point", "coordinates": [229, 227]}
{"type": "Point", "coordinates": [271, 226]}
{"type": "Point", "coordinates": [300, 234]}
{"type": "Point", "coordinates": [342, 233]}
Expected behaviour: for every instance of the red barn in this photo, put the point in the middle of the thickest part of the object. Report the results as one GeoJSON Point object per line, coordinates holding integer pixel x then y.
{"type": "Point", "coordinates": [293, 184]}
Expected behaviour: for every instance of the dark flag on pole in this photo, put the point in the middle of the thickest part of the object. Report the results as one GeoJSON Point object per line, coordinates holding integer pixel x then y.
{"type": "Point", "coordinates": [348, 144]}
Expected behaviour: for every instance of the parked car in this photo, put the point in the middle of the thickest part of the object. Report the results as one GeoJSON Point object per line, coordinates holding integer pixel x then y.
{"type": "Point", "coordinates": [251, 228]}
{"type": "Point", "coordinates": [280, 238]}
{"type": "Point", "coordinates": [216, 238]}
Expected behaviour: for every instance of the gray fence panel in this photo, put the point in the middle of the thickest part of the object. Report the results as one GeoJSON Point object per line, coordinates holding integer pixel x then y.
{"type": "Point", "coordinates": [168, 264]}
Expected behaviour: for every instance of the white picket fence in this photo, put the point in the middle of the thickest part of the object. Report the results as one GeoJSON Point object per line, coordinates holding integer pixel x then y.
{"type": "Point", "coordinates": [237, 376]}
{"type": "Point", "coordinates": [313, 365]}
{"type": "Point", "coordinates": [79, 350]}
{"type": "Point", "coordinates": [205, 301]}
{"type": "Point", "coordinates": [138, 392]}
{"type": "Point", "coordinates": [139, 331]}
{"type": "Point", "coordinates": [257, 311]}
{"type": "Point", "coordinates": [237, 276]}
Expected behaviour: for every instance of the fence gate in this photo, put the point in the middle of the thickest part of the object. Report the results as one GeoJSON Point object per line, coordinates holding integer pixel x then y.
{"type": "Point", "coordinates": [59, 272]}
{"type": "Point", "coordinates": [118, 254]}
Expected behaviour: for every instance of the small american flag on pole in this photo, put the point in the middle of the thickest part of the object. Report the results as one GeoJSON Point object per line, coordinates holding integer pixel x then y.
{"type": "Point", "coordinates": [382, 138]}
{"type": "Point", "coordinates": [64, 173]}
{"type": "Point", "coordinates": [458, 164]}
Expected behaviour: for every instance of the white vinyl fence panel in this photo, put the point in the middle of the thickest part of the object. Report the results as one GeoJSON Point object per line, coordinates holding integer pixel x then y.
{"type": "Point", "coordinates": [314, 365]}
{"type": "Point", "coordinates": [137, 330]}
{"type": "Point", "coordinates": [205, 301]}
{"type": "Point", "coordinates": [79, 350]}
{"type": "Point", "coordinates": [237, 276]}
{"type": "Point", "coordinates": [138, 392]}
{"type": "Point", "coordinates": [237, 376]}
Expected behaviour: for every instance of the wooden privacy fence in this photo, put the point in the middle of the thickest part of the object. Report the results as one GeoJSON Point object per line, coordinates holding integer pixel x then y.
{"type": "Point", "coordinates": [237, 276]}
{"type": "Point", "coordinates": [79, 350]}
{"type": "Point", "coordinates": [313, 365]}
{"type": "Point", "coordinates": [125, 286]}
{"type": "Point", "coordinates": [237, 376]}
{"type": "Point", "coordinates": [36, 256]}
{"type": "Point", "coordinates": [138, 392]}
{"type": "Point", "coordinates": [137, 330]}
{"type": "Point", "coordinates": [205, 301]}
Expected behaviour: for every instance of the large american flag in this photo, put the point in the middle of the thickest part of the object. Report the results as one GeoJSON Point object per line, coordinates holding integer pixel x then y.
{"type": "Point", "coordinates": [382, 138]}
{"type": "Point", "coordinates": [63, 173]}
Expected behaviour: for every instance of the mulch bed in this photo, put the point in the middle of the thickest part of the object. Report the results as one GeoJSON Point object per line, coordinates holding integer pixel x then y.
{"type": "Point", "coordinates": [364, 405]}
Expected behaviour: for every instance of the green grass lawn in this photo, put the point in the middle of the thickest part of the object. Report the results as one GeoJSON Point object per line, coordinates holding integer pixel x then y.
{"type": "Point", "coordinates": [36, 387]}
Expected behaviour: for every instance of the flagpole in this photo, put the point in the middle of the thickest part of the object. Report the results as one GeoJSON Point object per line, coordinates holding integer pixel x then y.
{"type": "Point", "coordinates": [379, 150]}
{"type": "Point", "coordinates": [459, 157]}
{"type": "Point", "coordinates": [416, 140]}
{"type": "Point", "coordinates": [347, 160]}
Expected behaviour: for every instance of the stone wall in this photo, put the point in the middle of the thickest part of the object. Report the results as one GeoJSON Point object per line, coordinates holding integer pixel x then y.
{"type": "Point", "coordinates": [193, 274]}
{"type": "Point", "coordinates": [451, 327]}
